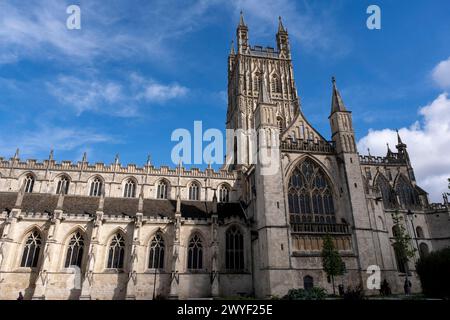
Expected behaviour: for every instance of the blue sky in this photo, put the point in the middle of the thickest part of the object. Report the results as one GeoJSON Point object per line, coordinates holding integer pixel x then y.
{"type": "Point", "coordinates": [137, 70]}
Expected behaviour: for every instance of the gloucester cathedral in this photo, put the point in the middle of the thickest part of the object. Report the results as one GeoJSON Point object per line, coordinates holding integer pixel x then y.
{"type": "Point", "coordinates": [111, 231]}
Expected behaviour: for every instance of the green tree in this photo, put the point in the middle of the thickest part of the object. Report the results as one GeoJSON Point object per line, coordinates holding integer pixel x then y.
{"type": "Point", "coordinates": [331, 260]}
{"type": "Point", "coordinates": [402, 242]}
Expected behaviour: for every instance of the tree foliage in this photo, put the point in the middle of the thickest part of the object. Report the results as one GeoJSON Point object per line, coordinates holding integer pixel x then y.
{"type": "Point", "coordinates": [434, 273]}
{"type": "Point", "coordinates": [331, 260]}
{"type": "Point", "coordinates": [402, 240]}
{"type": "Point", "coordinates": [314, 293]}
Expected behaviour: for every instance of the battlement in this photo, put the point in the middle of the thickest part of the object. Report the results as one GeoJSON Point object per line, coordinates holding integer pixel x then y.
{"type": "Point", "coordinates": [393, 159]}
{"type": "Point", "coordinates": [267, 52]}
{"type": "Point", "coordinates": [99, 167]}
{"type": "Point", "coordinates": [308, 145]}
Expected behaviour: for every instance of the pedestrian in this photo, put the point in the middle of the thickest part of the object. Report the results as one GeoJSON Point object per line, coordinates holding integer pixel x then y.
{"type": "Point", "coordinates": [20, 297]}
{"type": "Point", "coordinates": [407, 286]}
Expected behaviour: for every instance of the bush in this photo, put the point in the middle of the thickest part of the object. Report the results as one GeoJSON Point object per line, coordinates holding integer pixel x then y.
{"type": "Point", "coordinates": [354, 294]}
{"type": "Point", "coordinates": [434, 273]}
{"type": "Point", "coordinates": [315, 293]}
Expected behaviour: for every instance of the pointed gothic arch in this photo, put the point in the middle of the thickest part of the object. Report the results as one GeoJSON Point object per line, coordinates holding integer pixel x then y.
{"type": "Point", "coordinates": [156, 250]}
{"type": "Point", "coordinates": [32, 245]}
{"type": "Point", "coordinates": [407, 194]}
{"type": "Point", "coordinates": [75, 248]}
{"type": "Point", "coordinates": [96, 185]}
{"type": "Point", "coordinates": [194, 188]}
{"type": "Point", "coordinates": [116, 250]}
{"type": "Point", "coordinates": [387, 192]}
{"type": "Point", "coordinates": [310, 193]}
{"type": "Point", "coordinates": [62, 183]}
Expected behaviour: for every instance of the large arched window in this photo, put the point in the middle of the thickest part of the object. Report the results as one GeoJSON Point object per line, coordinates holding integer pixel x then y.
{"type": "Point", "coordinates": [30, 256]}
{"type": "Point", "coordinates": [234, 249]}
{"type": "Point", "coordinates": [75, 251]}
{"type": "Point", "coordinates": [96, 187]}
{"type": "Point", "coordinates": [194, 191]}
{"type": "Point", "coordinates": [309, 194]}
{"type": "Point", "coordinates": [224, 193]}
{"type": "Point", "coordinates": [195, 253]}
{"type": "Point", "coordinates": [161, 192]}
{"type": "Point", "coordinates": [408, 196]}
{"type": "Point", "coordinates": [63, 185]}
{"type": "Point", "coordinates": [130, 189]}
{"type": "Point", "coordinates": [387, 192]}
{"type": "Point", "coordinates": [156, 258]}
{"type": "Point", "coordinates": [29, 183]}
{"type": "Point", "coordinates": [116, 252]}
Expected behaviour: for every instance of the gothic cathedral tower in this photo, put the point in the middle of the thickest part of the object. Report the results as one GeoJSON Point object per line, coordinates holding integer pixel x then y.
{"type": "Point", "coordinates": [247, 68]}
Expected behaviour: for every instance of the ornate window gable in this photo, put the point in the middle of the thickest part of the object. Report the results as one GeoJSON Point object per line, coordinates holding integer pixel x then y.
{"type": "Point", "coordinates": [310, 194]}
{"type": "Point", "coordinates": [387, 192]}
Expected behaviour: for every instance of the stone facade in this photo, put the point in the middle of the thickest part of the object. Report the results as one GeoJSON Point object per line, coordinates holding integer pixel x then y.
{"type": "Point", "coordinates": [95, 231]}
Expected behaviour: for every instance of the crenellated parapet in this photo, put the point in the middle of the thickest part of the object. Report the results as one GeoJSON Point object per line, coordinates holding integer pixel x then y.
{"type": "Point", "coordinates": [99, 167]}
{"type": "Point", "coordinates": [394, 159]}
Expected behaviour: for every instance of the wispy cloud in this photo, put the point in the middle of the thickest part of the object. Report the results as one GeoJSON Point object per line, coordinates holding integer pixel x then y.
{"type": "Point", "coordinates": [85, 95]}
{"type": "Point", "coordinates": [44, 138]}
{"type": "Point", "coordinates": [89, 94]}
{"type": "Point", "coordinates": [112, 31]}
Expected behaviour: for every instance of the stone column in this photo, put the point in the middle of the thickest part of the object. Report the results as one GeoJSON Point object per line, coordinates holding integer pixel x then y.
{"type": "Point", "coordinates": [132, 274]}
{"type": "Point", "coordinates": [88, 277]}
{"type": "Point", "coordinates": [215, 249]}
{"type": "Point", "coordinates": [49, 247]}
{"type": "Point", "coordinates": [175, 263]}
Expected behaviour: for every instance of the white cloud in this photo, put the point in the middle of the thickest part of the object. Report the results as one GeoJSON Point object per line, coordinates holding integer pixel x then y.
{"type": "Point", "coordinates": [441, 74]}
{"type": "Point", "coordinates": [152, 91]}
{"type": "Point", "coordinates": [159, 92]}
{"type": "Point", "coordinates": [428, 143]}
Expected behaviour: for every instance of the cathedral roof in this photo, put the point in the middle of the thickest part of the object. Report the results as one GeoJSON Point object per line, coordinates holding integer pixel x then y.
{"type": "Point", "coordinates": [78, 205]}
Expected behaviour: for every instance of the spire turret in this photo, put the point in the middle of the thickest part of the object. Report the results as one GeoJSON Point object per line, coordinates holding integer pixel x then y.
{"type": "Point", "coordinates": [280, 26]}
{"type": "Point", "coordinates": [337, 104]}
{"type": "Point", "coordinates": [242, 35]}
{"type": "Point", "coordinates": [241, 20]}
